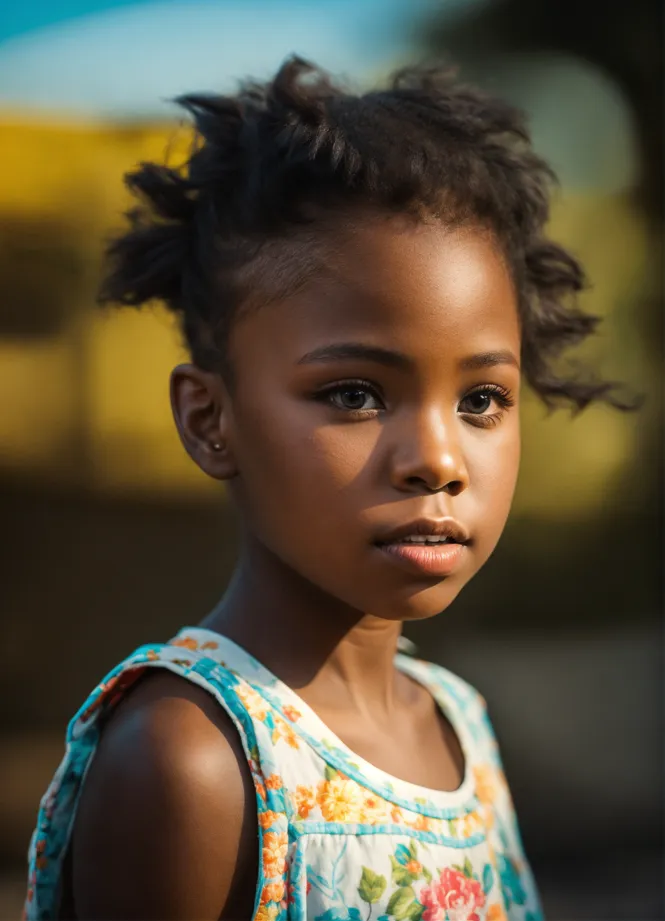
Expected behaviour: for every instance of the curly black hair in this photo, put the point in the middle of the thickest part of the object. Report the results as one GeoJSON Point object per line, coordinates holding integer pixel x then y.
{"type": "Point", "coordinates": [272, 160]}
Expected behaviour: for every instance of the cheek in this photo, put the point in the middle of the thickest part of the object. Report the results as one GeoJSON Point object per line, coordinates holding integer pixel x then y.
{"type": "Point", "coordinates": [493, 466]}
{"type": "Point", "coordinates": [288, 463]}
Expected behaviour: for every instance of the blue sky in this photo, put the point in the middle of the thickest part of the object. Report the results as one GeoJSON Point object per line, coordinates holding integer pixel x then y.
{"type": "Point", "coordinates": [19, 18]}
{"type": "Point", "coordinates": [124, 56]}
{"type": "Point", "coordinates": [120, 58]}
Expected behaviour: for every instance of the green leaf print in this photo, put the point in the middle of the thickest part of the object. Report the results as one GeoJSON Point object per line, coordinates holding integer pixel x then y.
{"type": "Point", "coordinates": [406, 868]}
{"type": "Point", "coordinates": [427, 874]}
{"type": "Point", "coordinates": [330, 772]}
{"type": "Point", "coordinates": [416, 912]}
{"type": "Point", "coordinates": [401, 876]}
{"type": "Point", "coordinates": [467, 869]}
{"type": "Point", "coordinates": [401, 903]}
{"type": "Point", "coordinates": [488, 878]}
{"type": "Point", "coordinates": [372, 886]}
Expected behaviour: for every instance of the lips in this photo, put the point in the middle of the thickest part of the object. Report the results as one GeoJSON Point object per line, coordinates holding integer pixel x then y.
{"type": "Point", "coordinates": [431, 547]}
{"type": "Point", "coordinates": [428, 530]}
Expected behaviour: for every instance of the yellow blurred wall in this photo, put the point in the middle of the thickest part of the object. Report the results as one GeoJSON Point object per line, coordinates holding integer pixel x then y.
{"type": "Point", "coordinates": [104, 378]}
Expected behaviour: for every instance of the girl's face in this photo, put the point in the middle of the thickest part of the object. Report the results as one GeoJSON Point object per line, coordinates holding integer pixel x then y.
{"type": "Point", "coordinates": [379, 403]}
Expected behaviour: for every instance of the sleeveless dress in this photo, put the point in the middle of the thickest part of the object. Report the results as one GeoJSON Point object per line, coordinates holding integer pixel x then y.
{"type": "Point", "coordinates": [339, 839]}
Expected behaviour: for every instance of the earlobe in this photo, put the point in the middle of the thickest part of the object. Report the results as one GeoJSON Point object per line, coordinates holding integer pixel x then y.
{"type": "Point", "coordinates": [201, 410]}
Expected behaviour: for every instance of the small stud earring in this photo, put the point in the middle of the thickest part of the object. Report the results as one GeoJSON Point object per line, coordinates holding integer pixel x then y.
{"type": "Point", "coordinates": [216, 446]}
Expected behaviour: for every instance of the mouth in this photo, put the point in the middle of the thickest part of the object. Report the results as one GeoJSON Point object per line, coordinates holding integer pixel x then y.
{"type": "Point", "coordinates": [426, 547]}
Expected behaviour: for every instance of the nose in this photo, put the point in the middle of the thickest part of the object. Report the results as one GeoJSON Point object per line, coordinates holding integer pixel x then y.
{"type": "Point", "coordinates": [429, 457]}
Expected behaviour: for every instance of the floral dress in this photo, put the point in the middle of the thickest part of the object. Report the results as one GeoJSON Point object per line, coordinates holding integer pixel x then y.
{"type": "Point", "coordinates": [339, 839]}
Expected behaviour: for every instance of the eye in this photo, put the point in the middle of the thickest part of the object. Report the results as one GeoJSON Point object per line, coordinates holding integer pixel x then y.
{"type": "Point", "coordinates": [477, 404]}
{"type": "Point", "coordinates": [353, 397]}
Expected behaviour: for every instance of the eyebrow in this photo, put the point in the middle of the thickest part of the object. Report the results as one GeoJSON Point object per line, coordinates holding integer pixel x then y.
{"type": "Point", "coordinates": [489, 360]}
{"type": "Point", "coordinates": [350, 351]}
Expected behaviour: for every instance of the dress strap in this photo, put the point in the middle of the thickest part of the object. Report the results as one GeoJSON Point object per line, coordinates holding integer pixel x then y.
{"type": "Point", "coordinates": [50, 840]}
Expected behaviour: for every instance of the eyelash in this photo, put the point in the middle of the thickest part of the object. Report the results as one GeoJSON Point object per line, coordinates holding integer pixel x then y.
{"type": "Point", "coordinates": [326, 396]}
{"type": "Point", "coordinates": [502, 396]}
{"type": "Point", "coordinates": [482, 420]}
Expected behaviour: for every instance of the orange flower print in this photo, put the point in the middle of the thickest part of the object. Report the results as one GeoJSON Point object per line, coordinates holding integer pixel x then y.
{"type": "Point", "coordinates": [485, 784]}
{"type": "Point", "coordinates": [304, 800]}
{"type": "Point", "coordinates": [254, 703]}
{"type": "Point", "coordinates": [267, 818]}
{"type": "Point", "coordinates": [273, 892]}
{"type": "Point", "coordinates": [267, 913]}
{"type": "Point", "coordinates": [340, 800]}
{"type": "Point", "coordinates": [291, 713]}
{"type": "Point", "coordinates": [282, 730]}
{"type": "Point", "coordinates": [470, 825]}
{"type": "Point", "coordinates": [186, 641]}
{"type": "Point", "coordinates": [373, 809]}
{"type": "Point", "coordinates": [260, 789]}
{"type": "Point", "coordinates": [396, 815]}
{"type": "Point", "coordinates": [415, 867]}
{"type": "Point", "coordinates": [210, 644]}
{"type": "Point", "coordinates": [152, 655]}
{"type": "Point", "coordinates": [422, 823]}
{"type": "Point", "coordinates": [274, 782]}
{"type": "Point", "coordinates": [496, 913]}
{"type": "Point", "coordinates": [111, 691]}
{"type": "Point", "coordinates": [275, 845]}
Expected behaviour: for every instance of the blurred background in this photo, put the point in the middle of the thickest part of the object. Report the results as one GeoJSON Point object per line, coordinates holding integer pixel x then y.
{"type": "Point", "coordinates": [113, 536]}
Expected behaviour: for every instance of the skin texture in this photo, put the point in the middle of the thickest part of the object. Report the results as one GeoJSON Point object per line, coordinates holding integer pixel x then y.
{"type": "Point", "coordinates": [165, 827]}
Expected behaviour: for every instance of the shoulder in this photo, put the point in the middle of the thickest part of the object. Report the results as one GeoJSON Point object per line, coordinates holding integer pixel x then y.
{"type": "Point", "coordinates": [167, 808]}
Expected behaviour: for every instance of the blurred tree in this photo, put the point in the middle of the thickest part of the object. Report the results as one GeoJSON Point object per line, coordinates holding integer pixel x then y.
{"type": "Point", "coordinates": [623, 40]}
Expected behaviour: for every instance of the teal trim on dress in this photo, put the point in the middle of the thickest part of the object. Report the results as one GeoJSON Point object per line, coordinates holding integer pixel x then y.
{"type": "Point", "coordinates": [303, 829]}
{"type": "Point", "coordinates": [338, 760]}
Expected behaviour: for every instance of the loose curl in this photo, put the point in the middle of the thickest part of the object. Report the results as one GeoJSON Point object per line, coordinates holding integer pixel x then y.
{"type": "Point", "coordinates": [272, 160]}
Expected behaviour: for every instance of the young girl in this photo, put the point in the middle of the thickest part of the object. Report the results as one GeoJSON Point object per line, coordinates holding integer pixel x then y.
{"type": "Point", "coordinates": [362, 280]}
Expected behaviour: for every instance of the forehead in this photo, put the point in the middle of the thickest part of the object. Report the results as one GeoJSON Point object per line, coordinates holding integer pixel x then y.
{"type": "Point", "coordinates": [424, 289]}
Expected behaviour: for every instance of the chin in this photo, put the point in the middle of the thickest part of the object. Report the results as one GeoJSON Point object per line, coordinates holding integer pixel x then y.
{"type": "Point", "coordinates": [420, 602]}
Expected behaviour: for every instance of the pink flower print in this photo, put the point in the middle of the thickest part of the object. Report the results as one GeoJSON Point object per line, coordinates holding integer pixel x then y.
{"type": "Point", "coordinates": [453, 897]}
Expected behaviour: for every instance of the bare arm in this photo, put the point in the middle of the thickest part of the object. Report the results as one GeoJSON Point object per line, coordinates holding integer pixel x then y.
{"type": "Point", "coordinates": [166, 826]}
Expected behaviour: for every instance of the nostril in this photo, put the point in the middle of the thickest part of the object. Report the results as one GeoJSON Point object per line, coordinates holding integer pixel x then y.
{"type": "Point", "coordinates": [452, 487]}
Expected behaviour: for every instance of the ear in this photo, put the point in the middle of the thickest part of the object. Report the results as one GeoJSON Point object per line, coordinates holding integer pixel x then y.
{"type": "Point", "coordinates": [201, 409]}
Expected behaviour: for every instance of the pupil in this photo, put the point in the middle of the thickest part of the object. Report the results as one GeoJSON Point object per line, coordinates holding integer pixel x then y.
{"type": "Point", "coordinates": [354, 399]}
{"type": "Point", "coordinates": [479, 401]}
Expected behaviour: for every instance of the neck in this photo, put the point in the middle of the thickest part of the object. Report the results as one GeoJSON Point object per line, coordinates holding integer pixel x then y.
{"type": "Point", "coordinates": [332, 655]}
